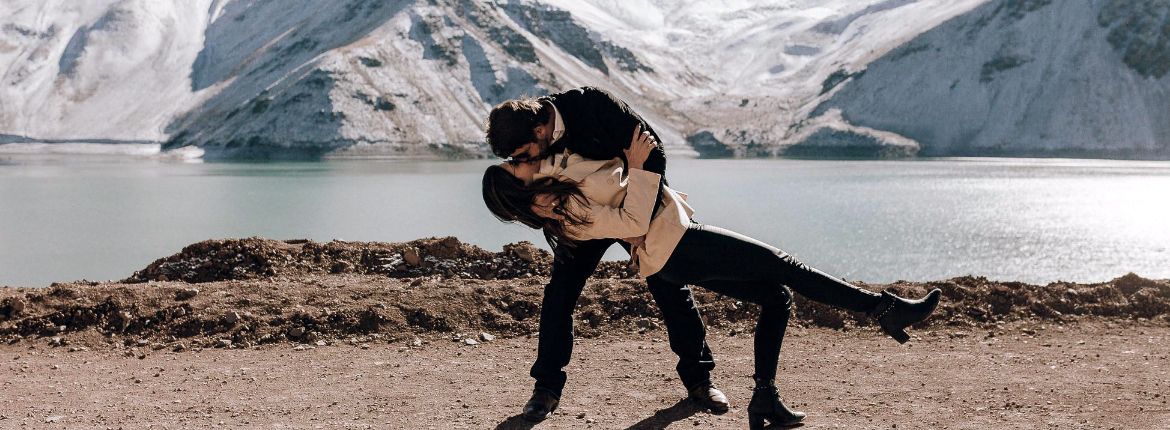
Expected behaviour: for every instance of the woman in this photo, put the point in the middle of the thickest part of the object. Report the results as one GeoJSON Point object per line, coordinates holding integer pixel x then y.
{"type": "Point", "coordinates": [575, 199]}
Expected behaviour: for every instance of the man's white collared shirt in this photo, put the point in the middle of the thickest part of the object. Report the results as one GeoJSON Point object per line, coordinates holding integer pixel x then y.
{"type": "Point", "coordinates": [558, 125]}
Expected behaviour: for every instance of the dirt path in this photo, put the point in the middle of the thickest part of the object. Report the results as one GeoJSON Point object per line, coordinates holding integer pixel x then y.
{"type": "Point", "coordinates": [1093, 375]}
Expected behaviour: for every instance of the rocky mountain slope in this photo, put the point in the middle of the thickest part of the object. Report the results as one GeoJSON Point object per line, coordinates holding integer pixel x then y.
{"type": "Point", "coordinates": [1032, 78]}
{"type": "Point", "coordinates": [301, 78]}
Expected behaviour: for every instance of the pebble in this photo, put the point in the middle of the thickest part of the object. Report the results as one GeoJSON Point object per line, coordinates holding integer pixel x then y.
{"type": "Point", "coordinates": [365, 346]}
{"type": "Point", "coordinates": [486, 337]}
{"type": "Point", "coordinates": [224, 343]}
{"type": "Point", "coordinates": [231, 317]}
{"type": "Point", "coordinates": [296, 332]}
{"type": "Point", "coordinates": [416, 343]}
{"type": "Point", "coordinates": [17, 305]}
{"type": "Point", "coordinates": [470, 341]}
{"type": "Point", "coordinates": [322, 343]}
{"type": "Point", "coordinates": [411, 256]}
{"type": "Point", "coordinates": [299, 348]}
{"type": "Point", "coordinates": [186, 293]}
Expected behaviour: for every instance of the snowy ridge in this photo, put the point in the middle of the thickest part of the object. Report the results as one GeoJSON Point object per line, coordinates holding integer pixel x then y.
{"type": "Point", "coordinates": [308, 78]}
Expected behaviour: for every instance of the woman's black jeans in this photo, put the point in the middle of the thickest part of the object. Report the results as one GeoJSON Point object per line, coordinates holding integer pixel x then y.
{"type": "Point", "coordinates": [746, 269]}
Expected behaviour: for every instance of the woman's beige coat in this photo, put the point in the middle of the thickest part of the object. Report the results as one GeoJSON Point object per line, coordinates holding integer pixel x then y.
{"type": "Point", "coordinates": [620, 204]}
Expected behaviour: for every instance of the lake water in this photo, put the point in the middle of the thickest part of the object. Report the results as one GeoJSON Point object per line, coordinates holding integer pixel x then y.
{"type": "Point", "coordinates": [66, 218]}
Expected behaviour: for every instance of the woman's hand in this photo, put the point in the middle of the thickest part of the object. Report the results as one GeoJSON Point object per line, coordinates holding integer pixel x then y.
{"type": "Point", "coordinates": [640, 147]}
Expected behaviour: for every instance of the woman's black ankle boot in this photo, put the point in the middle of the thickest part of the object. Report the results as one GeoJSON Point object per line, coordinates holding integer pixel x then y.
{"type": "Point", "coordinates": [895, 313]}
{"type": "Point", "coordinates": [766, 405]}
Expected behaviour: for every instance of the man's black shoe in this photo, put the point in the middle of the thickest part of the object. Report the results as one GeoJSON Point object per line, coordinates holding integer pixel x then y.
{"type": "Point", "coordinates": [707, 396]}
{"type": "Point", "coordinates": [542, 403]}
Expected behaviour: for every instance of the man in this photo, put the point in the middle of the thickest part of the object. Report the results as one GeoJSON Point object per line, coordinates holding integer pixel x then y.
{"type": "Point", "coordinates": [597, 125]}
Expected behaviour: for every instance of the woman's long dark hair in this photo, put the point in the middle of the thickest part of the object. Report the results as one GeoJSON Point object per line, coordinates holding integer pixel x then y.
{"type": "Point", "coordinates": [510, 200]}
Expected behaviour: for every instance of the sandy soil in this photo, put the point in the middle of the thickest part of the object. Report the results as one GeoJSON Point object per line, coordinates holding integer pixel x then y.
{"type": "Point", "coordinates": [1090, 375]}
{"type": "Point", "coordinates": [436, 334]}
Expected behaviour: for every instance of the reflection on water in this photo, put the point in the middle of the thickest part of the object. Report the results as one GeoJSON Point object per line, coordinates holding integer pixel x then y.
{"type": "Point", "coordinates": [68, 218]}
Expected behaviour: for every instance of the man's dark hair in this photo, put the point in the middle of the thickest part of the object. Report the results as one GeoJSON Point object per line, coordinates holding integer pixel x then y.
{"type": "Point", "coordinates": [510, 124]}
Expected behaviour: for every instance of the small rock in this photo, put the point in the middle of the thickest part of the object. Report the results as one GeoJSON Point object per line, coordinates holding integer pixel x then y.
{"type": "Point", "coordinates": [470, 341]}
{"type": "Point", "coordinates": [322, 343]}
{"type": "Point", "coordinates": [17, 305]}
{"type": "Point", "coordinates": [224, 343]}
{"type": "Point", "coordinates": [296, 332]}
{"type": "Point", "coordinates": [341, 267]}
{"type": "Point", "coordinates": [231, 317]}
{"type": "Point", "coordinates": [411, 256]}
{"type": "Point", "coordinates": [486, 337]}
{"type": "Point", "coordinates": [524, 253]}
{"type": "Point", "coordinates": [186, 293]}
{"type": "Point", "coordinates": [143, 342]}
{"type": "Point", "coordinates": [126, 319]}
{"type": "Point", "coordinates": [581, 415]}
{"type": "Point", "coordinates": [179, 347]}
{"type": "Point", "coordinates": [54, 418]}
{"type": "Point", "coordinates": [365, 346]}
{"type": "Point", "coordinates": [57, 341]}
{"type": "Point", "coordinates": [299, 348]}
{"type": "Point", "coordinates": [416, 342]}
{"type": "Point", "coordinates": [78, 348]}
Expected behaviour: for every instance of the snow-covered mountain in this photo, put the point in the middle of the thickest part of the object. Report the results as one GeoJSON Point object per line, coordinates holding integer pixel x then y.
{"type": "Point", "coordinates": [296, 78]}
{"type": "Point", "coordinates": [1033, 78]}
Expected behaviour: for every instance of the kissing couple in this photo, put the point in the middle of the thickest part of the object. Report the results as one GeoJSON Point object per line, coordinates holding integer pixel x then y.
{"type": "Point", "coordinates": [583, 167]}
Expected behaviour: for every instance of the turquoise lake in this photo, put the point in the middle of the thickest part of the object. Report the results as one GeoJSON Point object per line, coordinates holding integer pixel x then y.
{"type": "Point", "coordinates": [67, 218]}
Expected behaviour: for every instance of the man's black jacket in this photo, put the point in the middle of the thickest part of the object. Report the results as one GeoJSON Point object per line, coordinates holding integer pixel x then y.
{"type": "Point", "coordinates": [599, 126]}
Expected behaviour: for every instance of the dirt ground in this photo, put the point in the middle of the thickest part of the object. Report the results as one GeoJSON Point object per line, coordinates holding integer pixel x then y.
{"type": "Point", "coordinates": [1089, 375]}
{"type": "Point", "coordinates": [433, 333]}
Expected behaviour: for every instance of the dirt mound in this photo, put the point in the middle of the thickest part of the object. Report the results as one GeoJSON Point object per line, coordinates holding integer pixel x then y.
{"type": "Point", "coordinates": [233, 293]}
{"type": "Point", "coordinates": [239, 259]}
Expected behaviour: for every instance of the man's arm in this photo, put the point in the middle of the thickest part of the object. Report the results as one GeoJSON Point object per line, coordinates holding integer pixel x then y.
{"type": "Point", "coordinates": [615, 121]}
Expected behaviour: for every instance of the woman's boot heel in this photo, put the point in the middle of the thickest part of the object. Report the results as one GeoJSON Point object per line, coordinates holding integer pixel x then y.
{"type": "Point", "coordinates": [755, 422]}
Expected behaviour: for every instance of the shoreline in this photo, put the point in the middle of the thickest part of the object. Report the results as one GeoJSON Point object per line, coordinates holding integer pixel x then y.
{"type": "Point", "coordinates": [249, 292]}
{"type": "Point", "coordinates": [298, 334]}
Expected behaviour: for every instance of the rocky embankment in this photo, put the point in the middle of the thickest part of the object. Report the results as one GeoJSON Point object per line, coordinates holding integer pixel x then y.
{"type": "Point", "coordinates": [241, 293]}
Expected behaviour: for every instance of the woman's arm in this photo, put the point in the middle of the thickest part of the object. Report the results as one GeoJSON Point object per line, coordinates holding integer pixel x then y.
{"type": "Point", "coordinates": [632, 219]}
